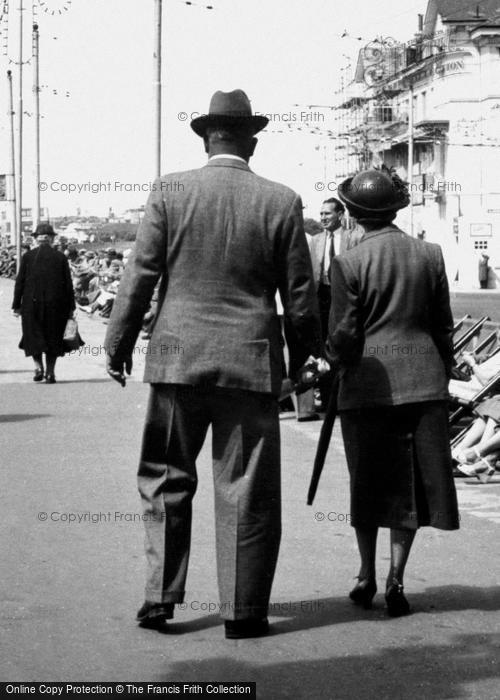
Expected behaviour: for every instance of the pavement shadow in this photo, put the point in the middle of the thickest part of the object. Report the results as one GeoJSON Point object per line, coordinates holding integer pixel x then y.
{"type": "Point", "coordinates": [202, 623]}
{"type": "Point", "coordinates": [16, 371]}
{"type": "Point", "coordinates": [300, 615]}
{"type": "Point", "coordinates": [433, 671]}
{"type": "Point", "coordinates": [309, 614]}
{"type": "Point", "coordinates": [97, 380]}
{"type": "Point", "coordinates": [19, 417]}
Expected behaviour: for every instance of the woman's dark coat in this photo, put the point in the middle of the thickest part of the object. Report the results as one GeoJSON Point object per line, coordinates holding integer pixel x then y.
{"type": "Point", "coordinates": [44, 294]}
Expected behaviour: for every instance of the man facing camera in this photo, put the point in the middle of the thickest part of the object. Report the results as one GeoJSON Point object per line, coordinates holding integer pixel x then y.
{"type": "Point", "coordinates": [323, 247]}
{"type": "Point", "coordinates": [222, 243]}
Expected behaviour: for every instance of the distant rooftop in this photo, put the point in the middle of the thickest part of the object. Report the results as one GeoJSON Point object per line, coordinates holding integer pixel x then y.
{"type": "Point", "coordinates": [480, 12]}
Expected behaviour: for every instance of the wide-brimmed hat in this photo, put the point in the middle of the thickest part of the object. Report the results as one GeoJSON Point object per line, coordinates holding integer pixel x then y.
{"type": "Point", "coordinates": [44, 230]}
{"type": "Point", "coordinates": [229, 108]}
{"type": "Point", "coordinates": [374, 191]}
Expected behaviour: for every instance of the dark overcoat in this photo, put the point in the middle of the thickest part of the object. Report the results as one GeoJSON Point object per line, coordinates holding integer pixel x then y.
{"type": "Point", "coordinates": [44, 294]}
{"type": "Point", "coordinates": [390, 335]}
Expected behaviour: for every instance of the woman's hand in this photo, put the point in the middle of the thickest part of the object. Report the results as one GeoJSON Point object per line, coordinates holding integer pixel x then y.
{"type": "Point", "coordinates": [469, 359]}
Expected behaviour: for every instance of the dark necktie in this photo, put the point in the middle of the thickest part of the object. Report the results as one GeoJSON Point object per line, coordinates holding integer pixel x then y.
{"type": "Point", "coordinates": [329, 254]}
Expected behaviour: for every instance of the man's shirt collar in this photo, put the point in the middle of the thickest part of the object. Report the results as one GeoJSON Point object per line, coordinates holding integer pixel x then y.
{"type": "Point", "coordinates": [227, 155]}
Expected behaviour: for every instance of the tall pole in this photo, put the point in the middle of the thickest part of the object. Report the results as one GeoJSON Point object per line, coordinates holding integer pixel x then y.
{"type": "Point", "coordinates": [36, 95]}
{"type": "Point", "coordinates": [410, 156]}
{"type": "Point", "coordinates": [12, 158]}
{"type": "Point", "coordinates": [20, 144]}
{"type": "Point", "coordinates": [157, 85]}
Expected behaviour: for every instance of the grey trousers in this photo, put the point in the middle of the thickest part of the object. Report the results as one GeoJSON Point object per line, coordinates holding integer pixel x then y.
{"type": "Point", "coordinates": [246, 473]}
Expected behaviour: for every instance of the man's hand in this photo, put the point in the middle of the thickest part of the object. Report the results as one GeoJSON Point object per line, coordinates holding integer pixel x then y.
{"type": "Point", "coordinates": [116, 368]}
{"type": "Point", "coordinates": [16, 312]}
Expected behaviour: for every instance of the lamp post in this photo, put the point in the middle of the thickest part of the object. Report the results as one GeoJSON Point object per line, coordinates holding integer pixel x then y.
{"type": "Point", "coordinates": [36, 95]}
{"type": "Point", "coordinates": [20, 142]}
{"type": "Point", "coordinates": [12, 157]}
{"type": "Point", "coordinates": [157, 85]}
{"type": "Point", "coordinates": [410, 155]}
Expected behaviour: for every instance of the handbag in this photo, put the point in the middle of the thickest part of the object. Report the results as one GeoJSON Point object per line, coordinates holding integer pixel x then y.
{"type": "Point", "coordinates": [71, 337]}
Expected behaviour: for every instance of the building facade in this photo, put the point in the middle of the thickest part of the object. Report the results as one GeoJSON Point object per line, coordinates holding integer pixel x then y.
{"type": "Point", "coordinates": [431, 109]}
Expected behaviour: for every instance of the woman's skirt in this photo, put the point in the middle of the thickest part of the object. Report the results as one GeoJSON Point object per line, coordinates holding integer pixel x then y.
{"type": "Point", "coordinates": [489, 408]}
{"type": "Point", "coordinates": [400, 466]}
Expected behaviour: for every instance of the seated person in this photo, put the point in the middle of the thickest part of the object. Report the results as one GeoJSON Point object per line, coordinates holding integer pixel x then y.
{"type": "Point", "coordinates": [481, 375]}
{"type": "Point", "coordinates": [479, 449]}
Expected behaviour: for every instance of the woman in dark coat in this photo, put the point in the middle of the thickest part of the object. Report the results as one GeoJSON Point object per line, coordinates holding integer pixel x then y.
{"type": "Point", "coordinates": [390, 338]}
{"type": "Point", "coordinates": [43, 295]}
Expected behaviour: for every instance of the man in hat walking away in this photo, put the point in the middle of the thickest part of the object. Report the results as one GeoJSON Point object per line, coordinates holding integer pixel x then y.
{"type": "Point", "coordinates": [222, 240]}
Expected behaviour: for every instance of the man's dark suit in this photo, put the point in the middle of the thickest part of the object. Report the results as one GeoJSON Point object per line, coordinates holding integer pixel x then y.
{"type": "Point", "coordinates": [317, 249]}
{"type": "Point", "coordinates": [223, 240]}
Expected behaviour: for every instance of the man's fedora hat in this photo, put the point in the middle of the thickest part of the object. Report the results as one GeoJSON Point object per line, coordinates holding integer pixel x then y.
{"type": "Point", "coordinates": [43, 230]}
{"type": "Point", "coordinates": [229, 108]}
{"type": "Point", "coordinates": [374, 191]}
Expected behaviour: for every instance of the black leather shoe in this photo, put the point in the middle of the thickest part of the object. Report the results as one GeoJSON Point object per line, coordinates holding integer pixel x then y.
{"type": "Point", "coordinates": [246, 629]}
{"type": "Point", "coordinates": [397, 605]}
{"type": "Point", "coordinates": [363, 592]}
{"type": "Point", "coordinates": [50, 379]}
{"type": "Point", "coordinates": [155, 615]}
{"type": "Point", "coordinates": [38, 376]}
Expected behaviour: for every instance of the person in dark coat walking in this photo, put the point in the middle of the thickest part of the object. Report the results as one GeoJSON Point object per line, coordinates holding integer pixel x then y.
{"type": "Point", "coordinates": [483, 271]}
{"type": "Point", "coordinates": [43, 296]}
{"type": "Point", "coordinates": [390, 337]}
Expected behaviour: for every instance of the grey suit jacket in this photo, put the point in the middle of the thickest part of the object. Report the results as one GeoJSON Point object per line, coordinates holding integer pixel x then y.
{"type": "Point", "coordinates": [317, 251]}
{"type": "Point", "coordinates": [223, 241]}
{"type": "Point", "coordinates": [391, 326]}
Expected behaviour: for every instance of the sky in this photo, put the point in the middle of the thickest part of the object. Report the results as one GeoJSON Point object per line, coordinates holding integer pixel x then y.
{"type": "Point", "coordinates": [97, 96]}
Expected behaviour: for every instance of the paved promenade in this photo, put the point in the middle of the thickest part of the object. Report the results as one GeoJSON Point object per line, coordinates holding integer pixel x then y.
{"type": "Point", "coordinates": [72, 560]}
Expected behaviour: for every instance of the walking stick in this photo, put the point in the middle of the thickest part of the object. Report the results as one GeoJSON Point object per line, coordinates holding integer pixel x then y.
{"type": "Point", "coordinates": [324, 440]}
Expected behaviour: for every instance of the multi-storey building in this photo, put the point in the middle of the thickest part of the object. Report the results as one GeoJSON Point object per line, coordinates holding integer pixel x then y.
{"type": "Point", "coordinates": [431, 108]}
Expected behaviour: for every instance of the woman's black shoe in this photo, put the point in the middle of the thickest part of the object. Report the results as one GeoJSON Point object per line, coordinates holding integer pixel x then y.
{"type": "Point", "coordinates": [363, 592]}
{"type": "Point", "coordinates": [38, 376]}
{"type": "Point", "coordinates": [397, 605]}
{"type": "Point", "coordinates": [50, 379]}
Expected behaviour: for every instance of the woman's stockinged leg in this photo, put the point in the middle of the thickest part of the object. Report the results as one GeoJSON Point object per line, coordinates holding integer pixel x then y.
{"type": "Point", "coordinates": [401, 543]}
{"type": "Point", "coordinates": [50, 361]}
{"type": "Point", "coordinates": [367, 545]}
{"type": "Point", "coordinates": [37, 359]}
{"type": "Point", "coordinates": [365, 589]}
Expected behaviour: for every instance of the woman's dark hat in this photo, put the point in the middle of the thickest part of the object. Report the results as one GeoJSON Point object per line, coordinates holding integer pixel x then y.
{"type": "Point", "coordinates": [229, 108]}
{"type": "Point", "coordinates": [44, 230]}
{"type": "Point", "coordinates": [374, 191]}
